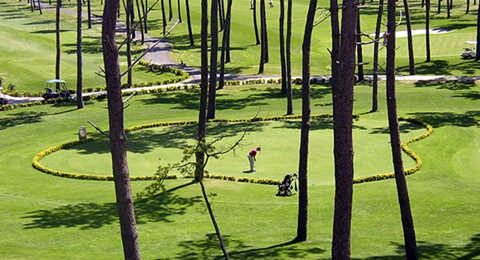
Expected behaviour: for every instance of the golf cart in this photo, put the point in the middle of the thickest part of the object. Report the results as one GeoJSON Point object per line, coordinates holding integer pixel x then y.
{"type": "Point", "coordinates": [469, 53]}
{"type": "Point", "coordinates": [60, 87]}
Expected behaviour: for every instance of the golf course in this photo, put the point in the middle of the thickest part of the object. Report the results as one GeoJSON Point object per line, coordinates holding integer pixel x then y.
{"type": "Point", "coordinates": [58, 200]}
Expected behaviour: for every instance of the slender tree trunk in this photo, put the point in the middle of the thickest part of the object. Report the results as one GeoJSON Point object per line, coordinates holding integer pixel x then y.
{"type": "Point", "coordinates": [225, 46]}
{"type": "Point", "coordinates": [427, 30]}
{"type": "Point", "coordinates": [58, 44]}
{"type": "Point", "coordinates": [302, 223]}
{"type": "Point", "coordinates": [265, 31]}
{"type": "Point", "coordinates": [467, 7]}
{"type": "Point", "coordinates": [89, 11]}
{"type": "Point", "coordinates": [289, 59]}
{"type": "Point", "coordinates": [170, 10]}
{"type": "Point", "coordinates": [213, 61]}
{"type": "Point", "coordinates": [342, 96]}
{"type": "Point", "coordinates": [117, 133]}
{"type": "Point", "coordinates": [407, 219]}
{"type": "Point", "coordinates": [202, 114]}
{"type": "Point", "coordinates": [283, 63]}
{"type": "Point", "coordinates": [189, 22]}
{"type": "Point", "coordinates": [39, 7]}
{"type": "Point", "coordinates": [477, 46]}
{"type": "Point", "coordinates": [375, 57]}
{"type": "Point", "coordinates": [360, 73]}
{"type": "Point", "coordinates": [255, 26]}
{"type": "Point", "coordinates": [411, 58]}
{"type": "Point", "coordinates": [221, 14]}
{"type": "Point", "coordinates": [261, 67]}
{"type": "Point", "coordinates": [179, 11]}
{"type": "Point", "coordinates": [439, 6]}
{"type": "Point", "coordinates": [79, 97]}
{"type": "Point", "coordinates": [145, 15]}
{"type": "Point", "coordinates": [128, 25]}
{"type": "Point", "coordinates": [448, 9]}
{"type": "Point", "coordinates": [140, 21]}
{"type": "Point", "coordinates": [164, 18]}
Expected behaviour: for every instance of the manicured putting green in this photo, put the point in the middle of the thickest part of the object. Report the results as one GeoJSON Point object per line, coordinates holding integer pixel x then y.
{"type": "Point", "coordinates": [279, 140]}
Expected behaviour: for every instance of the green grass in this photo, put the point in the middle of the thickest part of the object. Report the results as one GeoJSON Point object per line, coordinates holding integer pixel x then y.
{"type": "Point", "coordinates": [28, 50]}
{"type": "Point", "coordinates": [29, 66]}
{"type": "Point", "coordinates": [47, 217]}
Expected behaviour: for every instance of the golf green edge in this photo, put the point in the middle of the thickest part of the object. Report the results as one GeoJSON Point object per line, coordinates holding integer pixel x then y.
{"type": "Point", "coordinates": [36, 160]}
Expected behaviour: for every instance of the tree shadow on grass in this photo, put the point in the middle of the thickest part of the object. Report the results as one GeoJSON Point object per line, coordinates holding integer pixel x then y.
{"type": "Point", "coordinates": [439, 119]}
{"type": "Point", "coordinates": [144, 141]}
{"type": "Point", "coordinates": [426, 250]}
{"type": "Point", "coordinates": [447, 84]}
{"type": "Point", "coordinates": [472, 95]}
{"type": "Point", "coordinates": [21, 118]}
{"type": "Point", "coordinates": [209, 248]}
{"type": "Point", "coordinates": [31, 117]}
{"type": "Point", "coordinates": [189, 99]}
{"type": "Point", "coordinates": [444, 67]}
{"type": "Point", "coordinates": [160, 208]}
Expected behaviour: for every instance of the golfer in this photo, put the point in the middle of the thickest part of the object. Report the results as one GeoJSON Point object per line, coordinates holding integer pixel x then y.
{"type": "Point", "coordinates": [252, 158]}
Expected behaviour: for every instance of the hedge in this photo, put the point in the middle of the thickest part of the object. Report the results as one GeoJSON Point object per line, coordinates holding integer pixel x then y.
{"type": "Point", "coordinates": [36, 160]}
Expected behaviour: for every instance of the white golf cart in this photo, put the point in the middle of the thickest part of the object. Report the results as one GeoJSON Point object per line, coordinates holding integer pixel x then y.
{"type": "Point", "coordinates": [469, 53]}
{"type": "Point", "coordinates": [56, 88]}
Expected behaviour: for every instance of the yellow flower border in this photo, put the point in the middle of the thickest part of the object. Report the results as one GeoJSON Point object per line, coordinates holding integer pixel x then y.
{"type": "Point", "coordinates": [36, 160]}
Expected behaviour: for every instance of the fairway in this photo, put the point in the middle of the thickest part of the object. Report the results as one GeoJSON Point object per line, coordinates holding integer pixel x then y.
{"type": "Point", "coordinates": [56, 218]}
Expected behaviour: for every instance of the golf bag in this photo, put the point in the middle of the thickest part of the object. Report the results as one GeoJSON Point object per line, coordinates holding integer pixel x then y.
{"type": "Point", "coordinates": [285, 187]}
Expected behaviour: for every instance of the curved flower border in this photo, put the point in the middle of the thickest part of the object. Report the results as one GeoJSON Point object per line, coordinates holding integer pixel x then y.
{"type": "Point", "coordinates": [36, 160]}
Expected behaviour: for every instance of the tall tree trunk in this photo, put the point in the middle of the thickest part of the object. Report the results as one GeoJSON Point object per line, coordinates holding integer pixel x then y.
{"type": "Point", "coordinates": [128, 25]}
{"type": "Point", "coordinates": [261, 67]}
{"type": "Point", "coordinates": [117, 133]}
{"type": "Point", "coordinates": [411, 58]}
{"type": "Point", "coordinates": [360, 73]}
{"type": "Point", "coordinates": [283, 63]}
{"type": "Point", "coordinates": [477, 46]}
{"type": "Point", "coordinates": [264, 31]}
{"type": "Point", "coordinates": [57, 40]}
{"type": "Point", "coordinates": [427, 30]}
{"type": "Point", "coordinates": [140, 21]}
{"type": "Point", "coordinates": [89, 11]}
{"type": "Point", "coordinates": [255, 25]}
{"type": "Point", "coordinates": [79, 97]}
{"type": "Point", "coordinates": [145, 15]}
{"type": "Point", "coordinates": [225, 55]}
{"type": "Point", "coordinates": [448, 9]}
{"type": "Point", "coordinates": [289, 59]}
{"type": "Point", "coordinates": [221, 14]}
{"type": "Point", "coordinates": [213, 61]}
{"type": "Point", "coordinates": [170, 10]}
{"type": "Point", "coordinates": [179, 11]}
{"type": "Point", "coordinates": [342, 96]}
{"type": "Point", "coordinates": [189, 22]}
{"type": "Point", "coordinates": [407, 220]}
{"type": "Point", "coordinates": [202, 114]}
{"type": "Point", "coordinates": [39, 6]}
{"type": "Point", "coordinates": [467, 7]}
{"type": "Point", "coordinates": [304, 139]}
{"type": "Point", "coordinates": [164, 18]}
{"type": "Point", "coordinates": [375, 57]}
